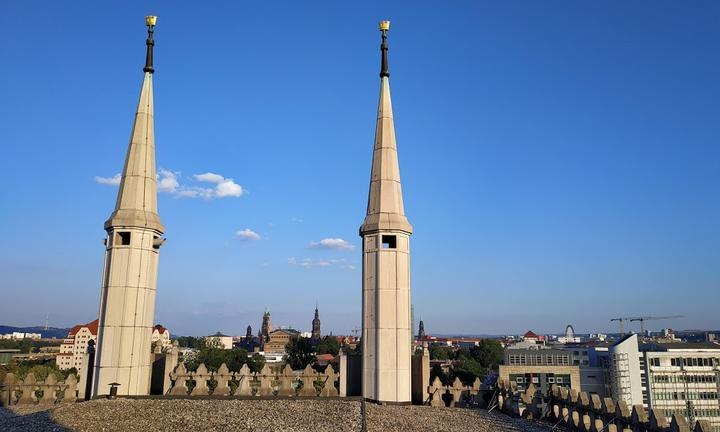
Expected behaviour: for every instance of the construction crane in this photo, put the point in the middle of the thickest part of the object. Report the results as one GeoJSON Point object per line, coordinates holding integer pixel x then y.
{"type": "Point", "coordinates": [642, 320]}
{"type": "Point", "coordinates": [622, 324]}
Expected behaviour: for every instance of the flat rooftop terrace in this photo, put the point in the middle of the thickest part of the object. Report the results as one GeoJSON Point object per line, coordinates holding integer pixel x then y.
{"type": "Point", "coordinates": [251, 415]}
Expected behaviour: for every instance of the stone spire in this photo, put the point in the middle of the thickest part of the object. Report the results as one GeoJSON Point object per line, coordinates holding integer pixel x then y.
{"type": "Point", "coordinates": [385, 209]}
{"type": "Point", "coordinates": [136, 204]}
{"type": "Point", "coordinates": [134, 237]}
{"type": "Point", "coordinates": [265, 327]}
{"type": "Point", "coordinates": [316, 326]}
{"type": "Point", "coordinates": [421, 330]}
{"type": "Point", "coordinates": [387, 329]}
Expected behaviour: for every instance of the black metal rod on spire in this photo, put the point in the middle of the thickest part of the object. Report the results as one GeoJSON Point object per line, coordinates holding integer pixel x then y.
{"type": "Point", "coordinates": [150, 21]}
{"type": "Point", "coordinates": [384, 27]}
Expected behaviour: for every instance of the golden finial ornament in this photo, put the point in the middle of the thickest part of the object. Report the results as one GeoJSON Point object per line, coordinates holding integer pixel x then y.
{"type": "Point", "coordinates": [384, 25]}
{"type": "Point", "coordinates": [150, 20]}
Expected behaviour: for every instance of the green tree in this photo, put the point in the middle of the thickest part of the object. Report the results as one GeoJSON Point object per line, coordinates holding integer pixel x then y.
{"type": "Point", "coordinates": [236, 358]}
{"type": "Point", "coordinates": [437, 371]}
{"type": "Point", "coordinates": [256, 362]}
{"type": "Point", "coordinates": [328, 345]}
{"type": "Point", "coordinates": [439, 353]}
{"type": "Point", "coordinates": [488, 353]}
{"type": "Point", "coordinates": [299, 353]}
{"type": "Point", "coordinates": [190, 342]}
{"type": "Point", "coordinates": [468, 370]}
{"type": "Point", "coordinates": [212, 357]}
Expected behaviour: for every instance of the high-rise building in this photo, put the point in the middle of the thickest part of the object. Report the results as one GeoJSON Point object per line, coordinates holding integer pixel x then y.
{"type": "Point", "coordinates": [385, 232]}
{"type": "Point", "coordinates": [132, 246]}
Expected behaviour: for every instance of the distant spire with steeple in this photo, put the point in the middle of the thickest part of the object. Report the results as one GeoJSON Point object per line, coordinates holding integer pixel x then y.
{"type": "Point", "coordinates": [316, 326]}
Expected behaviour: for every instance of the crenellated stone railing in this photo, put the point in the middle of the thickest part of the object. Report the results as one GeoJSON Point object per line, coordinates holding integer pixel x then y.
{"type": "Point", "coordinates": [457, 390]}
{"type": "Point", "coordinates": [580, 411]}
{"type": "Point", "coordinates": [28, 391]}
{"type": "Point", "coordinates": [284, 382]}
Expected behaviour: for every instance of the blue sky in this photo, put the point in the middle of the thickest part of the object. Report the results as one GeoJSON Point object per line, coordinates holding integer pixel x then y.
{"type": "Point", "coordinates": [560, 160]}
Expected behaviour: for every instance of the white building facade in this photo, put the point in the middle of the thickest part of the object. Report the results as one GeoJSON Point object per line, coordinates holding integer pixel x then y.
{"type": "Point", "coordinates": [74, 346]}
{"type": "Point", "coordinates": [684, 378]}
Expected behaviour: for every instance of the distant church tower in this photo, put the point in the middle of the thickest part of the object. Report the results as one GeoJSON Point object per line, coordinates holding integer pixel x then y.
{"type": "Point", "coordinates": [316, 326]}
{"type": "Point", "coordinates": [387, 332]}
{"type": "Point", "coordinates": [421, 330]}
{"type": "Point", "coordinates": [265, 328]}
{"type": "Point", "coordinates": [134, 237]}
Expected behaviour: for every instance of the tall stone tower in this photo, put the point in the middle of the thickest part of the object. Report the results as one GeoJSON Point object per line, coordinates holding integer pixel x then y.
{"type": "Point", "coordinates": [316, 326]}
{"type": "Point", "coordinates": [387, 332]}
{"type": "Point", "coordinates": [421, 330]}
{"type": "Point", "coordinates": [134, 237]}
{"type": "Point", "coordinates": [265, 328]}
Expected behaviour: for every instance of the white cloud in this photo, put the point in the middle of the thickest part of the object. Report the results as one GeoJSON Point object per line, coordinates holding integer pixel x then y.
{"type": "Point", "coordinates": [170, 182]}
{"type": "Point", "coordinates": [209, 177]}
{"type": "Point", "coordinates": [332, 243]}
{"type": "Point", "coordinates": [224, 187]}
{"type": "Point", "coordinates": [315, 263]}
{"type": "Point", "coordinates": [247, 235]}
{"type": "Point", "coordinates": [114, 180]}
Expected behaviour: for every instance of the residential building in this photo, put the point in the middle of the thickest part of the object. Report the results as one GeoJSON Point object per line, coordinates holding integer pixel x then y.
{"type": "Point", "coordinates": [74, 346]}
{"type": "Point", "coordinates": [220, 340]}
{"type": "Point", "coordinates": [20, 335]}
{"type": "Point", "coordinates": [530, 340]}
{"type": "Point", "coordinates": [162, 335]}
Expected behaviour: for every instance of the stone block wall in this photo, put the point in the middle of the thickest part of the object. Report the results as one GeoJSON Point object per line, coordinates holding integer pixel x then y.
{"type": "Point", "coordinates": [580, 411]}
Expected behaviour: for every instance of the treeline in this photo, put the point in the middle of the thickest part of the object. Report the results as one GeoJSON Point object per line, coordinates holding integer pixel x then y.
{"type": "Point", "coordinates": [299, 353]}
{"type": "Point", "coordinates": [468, 364]}
{"type": "Point", "coordinates": [213, 355]}
{"type": "Point", "coordinates": [40, 368]}
{"type": "Point", "coordinates": [26, 346]}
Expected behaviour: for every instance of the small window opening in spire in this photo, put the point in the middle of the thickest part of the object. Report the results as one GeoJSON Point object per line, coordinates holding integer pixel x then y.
{"type": "Point", "coordinates": [123, 238]}
{"type": "Point", "coordinates": [389, 242]}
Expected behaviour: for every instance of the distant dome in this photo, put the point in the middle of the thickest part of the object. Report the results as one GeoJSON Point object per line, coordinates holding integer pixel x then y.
{"type": "Point", "coordinates": [569, 332]}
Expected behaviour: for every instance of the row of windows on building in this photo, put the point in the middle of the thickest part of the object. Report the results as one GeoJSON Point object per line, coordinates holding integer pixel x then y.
{"type": "Point", "coordinates": [678, 378]}
{"type": "Point", "coordinates": [685, 396]}
{"type": "Point", "coordinates": [535, 379]}
{"type": "Point", "coordinates": [696, 412]}
{"type": "Point", "coordinates": [689, 361]}
{"type": "Point", "coordinates": [539, 360]}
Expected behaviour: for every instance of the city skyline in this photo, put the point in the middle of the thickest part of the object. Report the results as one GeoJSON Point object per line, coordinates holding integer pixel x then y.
{"type": "Point", "coordinates": [583, 173]}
